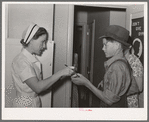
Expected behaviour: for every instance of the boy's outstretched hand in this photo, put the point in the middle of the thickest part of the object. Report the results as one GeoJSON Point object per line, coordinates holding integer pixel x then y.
{"type": "Point", "coordinates": [79, 79]}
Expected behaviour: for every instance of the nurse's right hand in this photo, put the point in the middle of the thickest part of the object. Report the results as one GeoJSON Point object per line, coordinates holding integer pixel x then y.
{"type": "Point", "coordinates": [68, 71]}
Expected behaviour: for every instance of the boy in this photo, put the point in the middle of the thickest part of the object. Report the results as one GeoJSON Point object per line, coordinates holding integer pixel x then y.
{"type": "Point", "coordinates": [117, 77]}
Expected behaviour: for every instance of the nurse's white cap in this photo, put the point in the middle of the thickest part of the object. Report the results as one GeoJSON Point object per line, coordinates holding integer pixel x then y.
{"type": "Point", "coordinates": [29, 32]}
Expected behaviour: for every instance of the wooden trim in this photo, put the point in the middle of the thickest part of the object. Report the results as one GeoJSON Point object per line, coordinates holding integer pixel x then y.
{"type": "Point", "coordinates": [69, 52]}
{"type": "Point", "coordinates": [92, 52]}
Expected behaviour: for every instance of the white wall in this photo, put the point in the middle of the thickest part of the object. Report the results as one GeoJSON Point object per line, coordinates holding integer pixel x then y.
{"type": "Point", "coordinates": [20, 16]}
{"type": "Point", "coordinates": [118, 18]}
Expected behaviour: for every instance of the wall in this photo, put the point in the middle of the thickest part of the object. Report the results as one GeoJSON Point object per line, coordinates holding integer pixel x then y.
{"type": "Point", "coordinates": [118, 17]}
{"type": "Point", "coordinates": [21, 15]}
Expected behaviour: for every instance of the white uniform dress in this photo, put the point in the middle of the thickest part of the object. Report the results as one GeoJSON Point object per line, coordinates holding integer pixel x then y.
{"type": "Point", "coordinates": [25, 66]}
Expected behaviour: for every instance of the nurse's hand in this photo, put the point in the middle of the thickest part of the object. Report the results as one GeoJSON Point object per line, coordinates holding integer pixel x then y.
{"type": "Point", "coordinates": [68, 71]}
{"type": "Point", "coordinates": [79, 79]}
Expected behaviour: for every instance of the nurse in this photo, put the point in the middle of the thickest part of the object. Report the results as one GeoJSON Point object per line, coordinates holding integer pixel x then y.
{"type": "Point", "coordinates": [26, 68]}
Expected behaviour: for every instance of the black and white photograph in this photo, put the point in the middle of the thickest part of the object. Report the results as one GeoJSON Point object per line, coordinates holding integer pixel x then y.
{"type": "Point", "coordinates": [74, 60]}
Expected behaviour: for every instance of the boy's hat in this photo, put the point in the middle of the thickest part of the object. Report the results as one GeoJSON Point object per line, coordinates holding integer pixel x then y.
{"type": "Point", "coordinates": [118, 33]}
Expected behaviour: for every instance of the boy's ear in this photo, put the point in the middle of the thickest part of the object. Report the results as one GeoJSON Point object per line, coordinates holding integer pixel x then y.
{"type": "Point", "coordinates": [118, 44]}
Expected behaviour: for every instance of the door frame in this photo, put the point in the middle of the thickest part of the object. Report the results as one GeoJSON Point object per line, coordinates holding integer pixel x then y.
{"type": "Point", "coordinates": [83, 50]}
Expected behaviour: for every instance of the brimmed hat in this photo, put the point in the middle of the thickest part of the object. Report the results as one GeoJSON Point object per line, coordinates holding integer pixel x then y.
{"type": "Point", "coordinates": [118, 33]}
{"type": "Point", "coordinates": [29, 32]}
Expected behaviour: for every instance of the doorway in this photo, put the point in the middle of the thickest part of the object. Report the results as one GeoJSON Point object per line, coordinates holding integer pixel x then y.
{"type": "Point", "coordinates": [89, 24]}
{"type": "Point", "coordinates": [83, 47]}
{"type": "Point", "coordinates": [80, 37]}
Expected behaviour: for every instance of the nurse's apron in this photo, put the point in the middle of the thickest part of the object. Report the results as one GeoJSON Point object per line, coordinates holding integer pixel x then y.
{"type": "Point", "coordinates": [27, 100]}
{"type": "Point", "coordinates": [31, 99]}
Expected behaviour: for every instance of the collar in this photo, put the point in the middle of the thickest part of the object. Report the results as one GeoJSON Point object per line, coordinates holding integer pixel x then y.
{"type": "Point", "coordinates": [120, 55]}
{"type": "Point", "coordinates": [30, 57]}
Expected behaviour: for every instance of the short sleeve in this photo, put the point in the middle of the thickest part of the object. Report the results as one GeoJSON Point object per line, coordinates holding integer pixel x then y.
{"type": "Point", "coordinates": [26, 71]}
{"type": "Point", "coordinates": [110, 96]}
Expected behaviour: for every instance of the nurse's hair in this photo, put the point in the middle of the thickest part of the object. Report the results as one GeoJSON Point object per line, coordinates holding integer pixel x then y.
{"type": "Point", "coordinates": [33, 31]}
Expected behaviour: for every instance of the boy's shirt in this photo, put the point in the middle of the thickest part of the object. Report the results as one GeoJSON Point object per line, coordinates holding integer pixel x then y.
{"type": "Point", "coordinates": [116, 79]}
